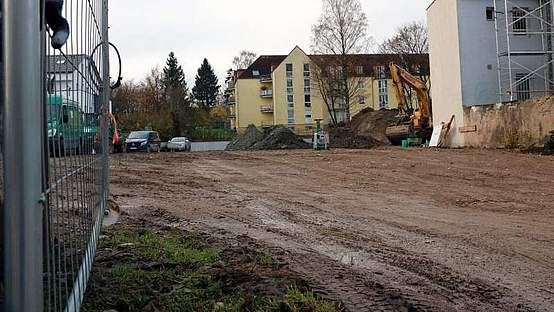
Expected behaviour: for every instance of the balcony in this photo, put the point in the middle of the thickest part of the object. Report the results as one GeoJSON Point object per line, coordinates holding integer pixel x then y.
{"type": "Point", "coordinates": [266, 108]}
{"type": "Point", "coordinates": [266, 93]}
{"type": "Point", "coordinates": [266, 78]}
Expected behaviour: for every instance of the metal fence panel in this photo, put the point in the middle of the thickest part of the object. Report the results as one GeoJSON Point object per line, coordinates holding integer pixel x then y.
{"type": "Point", "coordinates": [56, 136]}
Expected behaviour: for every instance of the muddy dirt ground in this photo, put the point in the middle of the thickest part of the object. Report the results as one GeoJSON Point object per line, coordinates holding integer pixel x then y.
{"type": "Point", "coordinates": [379, 230]}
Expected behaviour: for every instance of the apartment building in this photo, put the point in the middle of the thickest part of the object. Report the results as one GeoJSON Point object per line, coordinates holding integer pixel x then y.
{"type": "Point", "coordinates": [488, 52]}
{"type": "Point", "coordinates": [280, 90]}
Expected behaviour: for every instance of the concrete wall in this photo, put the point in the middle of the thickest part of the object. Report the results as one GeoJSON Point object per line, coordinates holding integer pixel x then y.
{"type": "Point", "coordinates": [510, 125]}
{"type": "Point", "coordinates": [442, 20]}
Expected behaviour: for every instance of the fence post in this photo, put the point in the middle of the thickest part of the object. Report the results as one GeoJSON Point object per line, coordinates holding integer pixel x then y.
{"type": "Point", "coordinates": [106, 104]}
{"type": "Point", "coordinates": [22, 156]}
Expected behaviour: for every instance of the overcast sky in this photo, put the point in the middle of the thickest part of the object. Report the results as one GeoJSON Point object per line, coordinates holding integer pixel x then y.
{"type": "Point", "coordinates": [147, 30]}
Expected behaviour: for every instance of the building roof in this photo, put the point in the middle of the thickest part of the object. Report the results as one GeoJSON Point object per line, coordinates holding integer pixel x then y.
{"type": "Point", "coordinates": [370, 61]}
{"type": "Point", "coordinates": [64, 63]}
{"type": "Point", "coordinates": [266, 63]}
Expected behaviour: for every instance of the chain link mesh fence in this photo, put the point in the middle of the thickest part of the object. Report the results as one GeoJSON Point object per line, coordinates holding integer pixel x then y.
{"type": "Point", "coordinates": [73, 135]}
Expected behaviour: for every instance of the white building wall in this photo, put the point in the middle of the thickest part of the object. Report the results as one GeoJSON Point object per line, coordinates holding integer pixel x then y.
{"type": "Point", "coordinates": [479, 69]}
{"type": "Point", "coordinates": [73, 87]}
{"type": "Point", "coordinates": [478, 50]}
{"type": "Point", "coordinates": [446, 84]}
{"type": "Point", "coordinates": [463, 57]}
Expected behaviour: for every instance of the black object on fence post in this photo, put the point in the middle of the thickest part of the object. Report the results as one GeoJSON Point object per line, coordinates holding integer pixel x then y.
{"type": "Point", "coordinates": [22, 156]}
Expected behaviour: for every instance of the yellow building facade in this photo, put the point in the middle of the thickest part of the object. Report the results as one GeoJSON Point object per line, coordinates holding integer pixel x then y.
{"type": "Point", "coordinates": [280, 90]}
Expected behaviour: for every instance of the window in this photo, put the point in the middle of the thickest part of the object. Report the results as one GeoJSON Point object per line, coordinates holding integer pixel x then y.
{"type": "Point", "coordinates": [308, 115]}
{"type": "Point", "coordinates": [380, 72]}
{"type": "Point", "coordinates": [490, 14]}
{"type": "Point", "coordinates": [307, 88]}
{"type": "Point", "coordinates": [289, 83]}
{"type": "Point", "coordinates": [361, 99]}
{"type": "Point", "coordinates": [255, 72]}
{"type": "Point", "coordinates": [383, 101]}
{"type": "Point", "coordinates": [416, 69]}
{"type": "Point", "coordinates": [361, 84]}
{"type": "Point", "coordinates": [383, 86]}
{"type": "Point", "coordinates": [383, 94]}
{"type": "Point", "coordinates": [523, 92]}
{"type": "Point", "coordinates": [307, 98]}
{"type": "Point", "coordinates": [306, 70]}
{"type": "Point", "coordinates": [290, 115]}
{"type": "Point", "coordinates": [289, 70]}
{"type": "Point", "coordinates": [359, 70]}
{"type": "Point", "coordinates": [519, 20]}
{"type": "Point", "coordinates": [290, 98]}
{"type": "Point", "coordinates": [290, 90]}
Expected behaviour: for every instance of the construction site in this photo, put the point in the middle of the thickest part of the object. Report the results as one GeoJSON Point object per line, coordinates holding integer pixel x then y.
{"type": "Point", "coordinates": [307, 182]}
{"type": "Point", "coordinates": [460, 218]}
{"type": "Point", "coordinates": [444, 203]}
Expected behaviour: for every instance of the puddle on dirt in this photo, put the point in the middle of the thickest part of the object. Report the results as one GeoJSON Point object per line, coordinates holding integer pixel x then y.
{"type": "Point", "coordinates": [348, 256]}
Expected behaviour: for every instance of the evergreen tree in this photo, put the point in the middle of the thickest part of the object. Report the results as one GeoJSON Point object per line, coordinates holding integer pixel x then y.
{"type": "Point", "coordinates": [174, 84]}
{"type": "Point", "coordinates": [206, 89]}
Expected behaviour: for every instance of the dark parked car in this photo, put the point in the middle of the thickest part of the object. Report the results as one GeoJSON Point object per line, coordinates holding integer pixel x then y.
{"type": "Point", "coordinates": [143, 141]}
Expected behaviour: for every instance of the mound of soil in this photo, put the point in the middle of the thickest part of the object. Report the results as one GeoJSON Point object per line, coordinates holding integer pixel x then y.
{"type": "Point", "coordinates": [344, 137]}
{"type": "Point", "coordinates": [246, 140]}
{"type": "Point", "coordinates": [281, 138]}
{"type": "Point", "coordinates": [372, 124]}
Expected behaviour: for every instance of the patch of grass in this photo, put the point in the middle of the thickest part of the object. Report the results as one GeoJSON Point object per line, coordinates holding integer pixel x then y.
{"type": "Point", "coordinates": [171, 271]}
{"type": "Point", "coordinates": [264, 259]}
{"type": "Point", "coordinates": [171, 247]}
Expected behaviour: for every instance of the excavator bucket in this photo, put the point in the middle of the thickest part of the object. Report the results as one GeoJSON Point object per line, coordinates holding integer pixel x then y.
{"type": "Point", "coordinates": [396, 134]}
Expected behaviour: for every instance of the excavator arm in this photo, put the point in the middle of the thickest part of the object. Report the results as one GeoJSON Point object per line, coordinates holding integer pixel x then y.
{"type": "Point", "coordinates": [410, 123]}
{"type": "Point", "coordinates": [402, 77]}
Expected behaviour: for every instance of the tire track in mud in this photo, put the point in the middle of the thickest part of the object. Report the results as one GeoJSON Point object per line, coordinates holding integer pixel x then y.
{"type": "Point", "coordinates": [439, 279]}
{"type": "Point", "coordinates": [250, 195]}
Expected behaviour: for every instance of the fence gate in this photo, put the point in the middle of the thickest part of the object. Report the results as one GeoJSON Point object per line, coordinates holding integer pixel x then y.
{"type": "Point", "coordinates": [55, 149]}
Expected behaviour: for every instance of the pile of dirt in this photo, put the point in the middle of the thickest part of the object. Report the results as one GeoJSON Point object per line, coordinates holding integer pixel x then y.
{"type": "Point", "coordinates": [372, 124]}
{"type": "Point", "coordinates": [345, 137]}
{"type": "Point", "coordinates": [281, 138]}
{"type": "Point", "coordinates": [273, 139]}
{"type": "Point", "coordinates": [246, 140]}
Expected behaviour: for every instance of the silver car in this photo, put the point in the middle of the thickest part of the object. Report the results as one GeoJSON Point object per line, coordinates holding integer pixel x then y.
{"type": "Point", "coordinates": [179, 144]}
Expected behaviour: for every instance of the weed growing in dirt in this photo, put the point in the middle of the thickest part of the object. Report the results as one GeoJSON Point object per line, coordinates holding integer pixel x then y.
{"type": "Point", "coordinates": [175, 271]}
{"type": "Point", "coordinates": [264, 259]}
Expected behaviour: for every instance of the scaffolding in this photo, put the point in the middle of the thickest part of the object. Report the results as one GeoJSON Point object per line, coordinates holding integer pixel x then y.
{"type": "Point", "coordinates": [524, 46]}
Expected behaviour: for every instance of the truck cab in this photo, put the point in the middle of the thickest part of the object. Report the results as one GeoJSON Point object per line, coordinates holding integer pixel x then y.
{"type": "Point", "coordinates": [66, 126]}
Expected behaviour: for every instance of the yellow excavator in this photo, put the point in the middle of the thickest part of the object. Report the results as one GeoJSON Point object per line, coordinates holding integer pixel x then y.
{"type": "Point", "coordinates": [411, 122]}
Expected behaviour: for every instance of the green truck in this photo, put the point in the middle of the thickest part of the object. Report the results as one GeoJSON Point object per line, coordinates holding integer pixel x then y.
{"type": "Point", "coordinates": [73, 132]}
{"type": "Point", "coordinates": [68, 132]}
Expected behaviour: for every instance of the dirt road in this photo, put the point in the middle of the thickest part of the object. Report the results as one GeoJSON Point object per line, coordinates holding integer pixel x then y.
{"type": "Point", "coordinates": [380, 230]}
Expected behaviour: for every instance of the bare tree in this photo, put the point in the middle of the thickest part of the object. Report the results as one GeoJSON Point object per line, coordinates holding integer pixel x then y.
{"type": "Point", "coordinates": [341, 31]}
{"type": "Point", "coordinates": [244, 59]}
{"type": "Point", "coordinates": [410, 38]}
{"type": "Point", "coordinates": [409, 41]}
